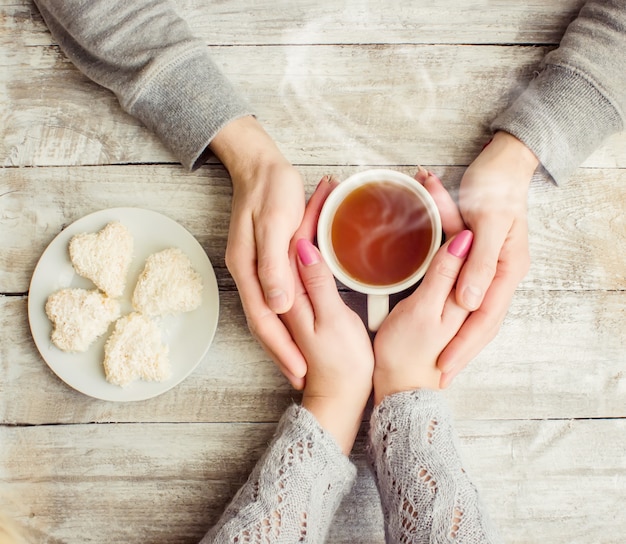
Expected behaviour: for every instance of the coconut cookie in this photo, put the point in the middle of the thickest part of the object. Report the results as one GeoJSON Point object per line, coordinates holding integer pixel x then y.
{"type": "Point", "coordinates": [104, 257]}
{"type": "Point", "coordinates": [168, 285]}
{"type": "Point", "coordinates": [79, 316]}
{"type": "Point", "coordinates": [135, 351]}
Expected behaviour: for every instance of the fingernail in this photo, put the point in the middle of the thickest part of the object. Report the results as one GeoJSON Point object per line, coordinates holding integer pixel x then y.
{"type": "Point", "coordinates": [307, 252]}
{"type": "Point", "coordinates": [460, 246]}
{"type": "Point", "coordinates": [447, 368]}
{"type": "Point", "coordinates": [333, 180]}
{"type": "Point", "coordinates": [435, 177]}
{"type": "Point", "coordinates": [472, 297]}
{"type": "Point", "coordinates": [277, 300]}
{"type": "Point", "coordinates": [420, 168]}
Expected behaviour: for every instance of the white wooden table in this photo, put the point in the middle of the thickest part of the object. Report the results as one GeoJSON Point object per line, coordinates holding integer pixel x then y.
{"type": "Point", "coordinates": [341, 85]}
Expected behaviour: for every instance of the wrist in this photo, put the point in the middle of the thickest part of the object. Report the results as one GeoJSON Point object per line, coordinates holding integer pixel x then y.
{"type": "Point", "coordinates": [243, 147]}
{"type": "Point", "coordinates": [389, 383]}
{"type": "Point", "coordinates": [516, 151]}
{"type": "Point", "coordinates": [338, 417]}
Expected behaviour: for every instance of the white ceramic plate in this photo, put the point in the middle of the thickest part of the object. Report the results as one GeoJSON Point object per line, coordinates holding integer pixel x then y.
{"type": "Point", "coordinates": [188, 335]}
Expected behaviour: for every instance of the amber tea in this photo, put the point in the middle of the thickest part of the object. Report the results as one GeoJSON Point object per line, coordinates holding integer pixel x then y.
{"type": "Point", "coordinates": [381, 233]}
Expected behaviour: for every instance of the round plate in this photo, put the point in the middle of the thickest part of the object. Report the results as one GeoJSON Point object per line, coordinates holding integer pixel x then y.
{"type": "Point", "coordinates": [188, 335]}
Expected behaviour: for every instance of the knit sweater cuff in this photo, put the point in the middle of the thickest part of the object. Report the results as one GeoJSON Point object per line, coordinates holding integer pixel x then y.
{"type": "Point", "coordinates": [294, 490]}
{"type": "Point", "coordinates": [188, 104]}
{"type": "Point", "coordinates": [562, 117]}
{"type": "Point", "coordinates": [298, 422]}
{"type": "Point", "coordinates": [427, 495]}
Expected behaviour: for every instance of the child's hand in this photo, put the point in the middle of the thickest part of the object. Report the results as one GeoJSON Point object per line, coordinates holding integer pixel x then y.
{"type": "Point", "coordinates": [331, 337]}
{"type": "Point", "coordinates": [418, 329]}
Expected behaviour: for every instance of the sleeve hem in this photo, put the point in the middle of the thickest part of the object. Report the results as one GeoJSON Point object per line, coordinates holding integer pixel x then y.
{"type": "Point", "coordinates": [562, 118]}
{"type": "Point", "coordinates": [187, 103]}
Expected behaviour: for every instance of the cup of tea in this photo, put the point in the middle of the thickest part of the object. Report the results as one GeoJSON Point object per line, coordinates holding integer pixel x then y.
{"type": "Point", "coordinates": [378, 231]}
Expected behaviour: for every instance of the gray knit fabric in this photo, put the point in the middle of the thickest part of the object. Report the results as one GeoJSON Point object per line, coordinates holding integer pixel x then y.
{"type": "Point", "coordinates": [294, 490]}
{"type": "Point", "coordinates": [161, 74]}
{"type": "Point", "coordinates": [426, 494]}
{"type": "Point", "coordinates": [145, 53]}
{"type": "Point", "coordinates": [579, 98]}
{"type": "Point", "coordinates": [298, 484]}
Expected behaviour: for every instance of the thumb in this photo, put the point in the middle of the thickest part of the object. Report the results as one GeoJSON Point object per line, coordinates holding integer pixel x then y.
{"type": "Point", "coordinates": [273, 268]}
{"type": "Point", "coordinates": [482, 262]}
{"type": "Point", "coordinates": [317, 280]}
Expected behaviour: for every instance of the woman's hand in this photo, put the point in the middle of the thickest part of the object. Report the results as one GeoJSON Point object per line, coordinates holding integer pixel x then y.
{"type": "Point", "coordinates": [267, 209]}
{"type": "Point", "coordinates": [417, 330]}
{"type": "Point", "coordinates": [332, 338]}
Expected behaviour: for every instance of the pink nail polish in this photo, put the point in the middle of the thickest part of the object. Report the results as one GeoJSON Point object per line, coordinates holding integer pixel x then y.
{"type": "Point", "coordinates": [307, 252]}
{"type": "Point", "coordinates": [460, 246]}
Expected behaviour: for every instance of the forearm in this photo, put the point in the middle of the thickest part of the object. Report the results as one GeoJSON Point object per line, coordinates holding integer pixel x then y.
{"type": "Point", "coordinates": [145, 53]}
{"type": "Point", "coordinates": [579, 97]}
{"type": "Point", "coordinates": [426, 494]}
{"type": "Point", "coordinates": [294, 490]}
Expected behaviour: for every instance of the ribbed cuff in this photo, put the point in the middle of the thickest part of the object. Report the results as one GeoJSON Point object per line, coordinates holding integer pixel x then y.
{"type": "Point", "coordinates": [562, 118]}
{"type": "Point", "coordinates": [188, 104]}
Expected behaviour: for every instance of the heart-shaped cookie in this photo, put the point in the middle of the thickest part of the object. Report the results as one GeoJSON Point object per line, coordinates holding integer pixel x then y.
{"type": "Point", "coordinates": [135, 351]}
{"type": "Point", "coordinates": [104, 257]}
{"type": "Point", "coordinates": [168, 285]}
{"type": "Point", "coordinates": [79, 316]}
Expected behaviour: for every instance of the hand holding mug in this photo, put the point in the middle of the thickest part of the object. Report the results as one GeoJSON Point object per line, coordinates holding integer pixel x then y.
{"type": "Point", "coordinates": [332, 338]}
{"type": "Point", "coordinates": [378, 232]}
{"type": "Point", "coordinates": [410, 340]}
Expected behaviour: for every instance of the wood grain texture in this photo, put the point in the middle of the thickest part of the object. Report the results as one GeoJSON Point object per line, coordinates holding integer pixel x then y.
{"type": "Point", "coordinates": [342, 86]}
{"type": "Point", "coordinates": [166, 483]}
{"type": "Point", "coordinates": [577, 232]}
{"type": "Point", "coordinates": [558, 355]}
{"type": "Point", "coordinates": [404, 104]}
{"type": "Point", "coordinates": [283, 22]}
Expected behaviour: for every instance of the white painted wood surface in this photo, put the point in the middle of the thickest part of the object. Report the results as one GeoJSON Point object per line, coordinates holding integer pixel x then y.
{"type": "Point", "coordinates": [341, 85]}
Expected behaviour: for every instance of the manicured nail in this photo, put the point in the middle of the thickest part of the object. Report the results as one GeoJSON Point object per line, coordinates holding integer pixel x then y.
{"type": "Point", "coordinates": [472, 297]}
{"type": "Point", "coordinates": [277, 300]}
{"type": "Point", "coordinates": [307, 252]}
{"type": "Point", "coordinates": [421, 169]}
{"type": "Point", "coordinates": [460, 246]}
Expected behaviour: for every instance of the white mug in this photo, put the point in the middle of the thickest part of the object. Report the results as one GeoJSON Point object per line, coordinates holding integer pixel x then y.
{"type": "Point", "coordinates": [377, 295]}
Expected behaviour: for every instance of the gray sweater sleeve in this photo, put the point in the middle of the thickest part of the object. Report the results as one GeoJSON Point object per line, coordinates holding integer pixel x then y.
{"type": "Point", "coordinates": [579, 97]}
{"type": "Point", "coordinates": [294, 490]}
{"type": "Point", "coordinates": [426, 494]}
{"type": "Point", "coordinates": [161, 74]}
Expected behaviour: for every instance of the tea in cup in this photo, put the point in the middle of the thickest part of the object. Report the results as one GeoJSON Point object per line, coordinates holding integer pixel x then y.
{"type": "Point", "coordinates": [378, 231]}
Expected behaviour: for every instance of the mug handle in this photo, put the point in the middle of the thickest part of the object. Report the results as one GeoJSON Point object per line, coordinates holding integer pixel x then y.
{"type": "Point", "coordinates": [377, 310]}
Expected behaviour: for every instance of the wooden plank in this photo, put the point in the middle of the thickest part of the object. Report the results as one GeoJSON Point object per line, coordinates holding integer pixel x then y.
{"type": "Point", "coordinates": [369, 104]}
{"type": "Point", "coordinates": [348, 21]}
{"type": "Point", "coordinates": [542, 481]}
{"type": "Point", "coordinates": [558, 355]}
{"type": "Point", "coordinates": [577, 232]}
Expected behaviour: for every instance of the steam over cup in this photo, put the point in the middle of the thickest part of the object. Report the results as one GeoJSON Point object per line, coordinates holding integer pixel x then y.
{"type": "Point", "coordinates": [377, 295]}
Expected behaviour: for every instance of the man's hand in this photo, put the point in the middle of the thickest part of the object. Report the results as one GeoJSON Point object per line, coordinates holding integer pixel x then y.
{"type": "Point", "coordinates": [493, 204]}
{"type": "Point", "coordinates": [267, 209]}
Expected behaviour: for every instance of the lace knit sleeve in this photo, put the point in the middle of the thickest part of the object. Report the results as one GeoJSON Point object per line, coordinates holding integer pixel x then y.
{"type": "Point", "coordinates": [294, 490]}
{"type": "Point", "coordinates": [426, 494]}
